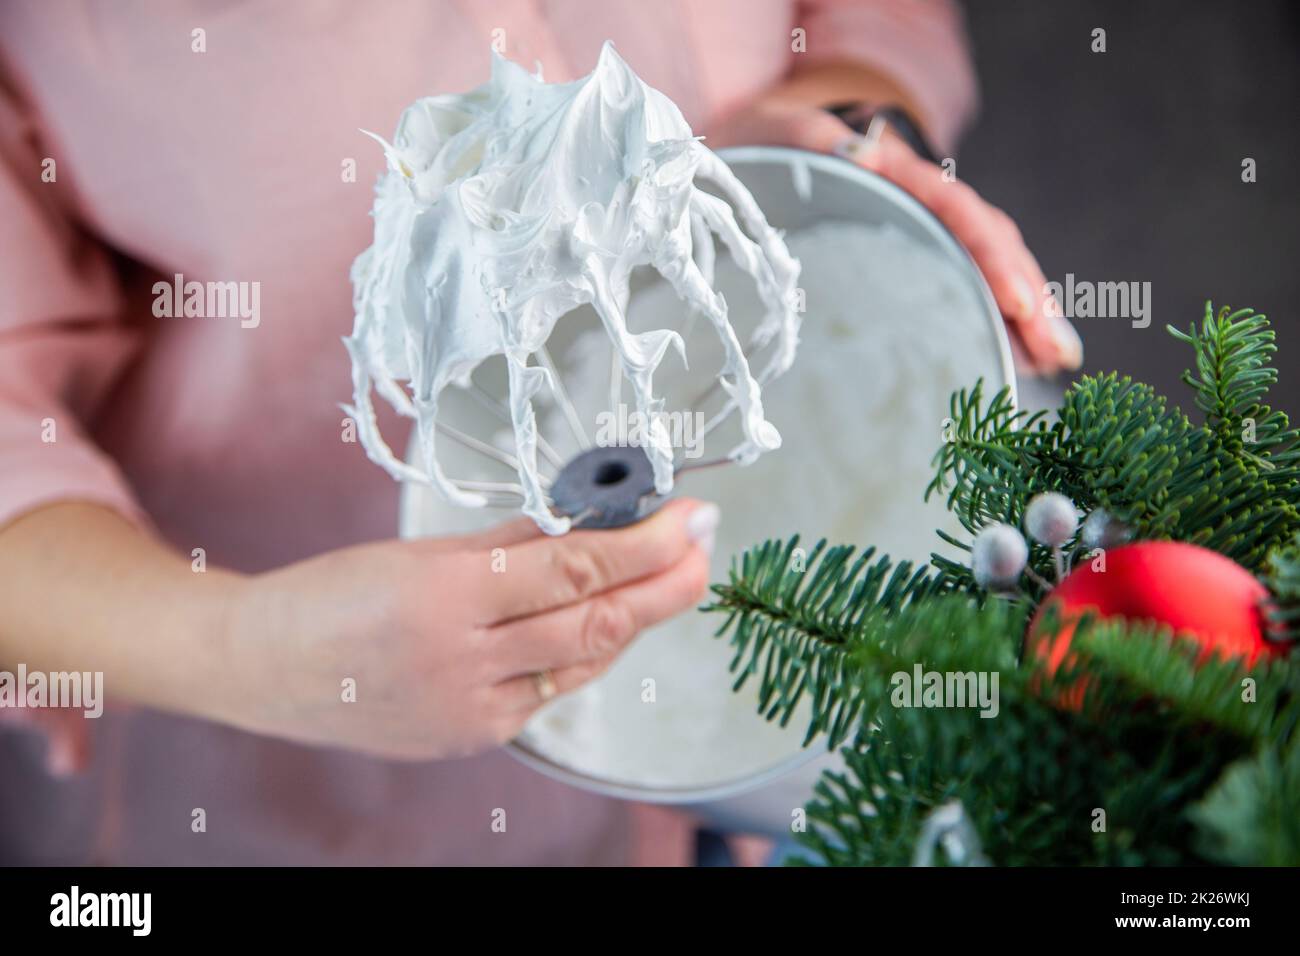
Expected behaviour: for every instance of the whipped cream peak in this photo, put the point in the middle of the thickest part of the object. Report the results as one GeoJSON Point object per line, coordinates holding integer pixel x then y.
{"type": "Point", "coordinates": [505, 208]}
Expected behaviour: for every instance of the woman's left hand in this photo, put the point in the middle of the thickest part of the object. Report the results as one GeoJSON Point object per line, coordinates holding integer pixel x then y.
{"type": "Point", "coordinates": [1043, 341]}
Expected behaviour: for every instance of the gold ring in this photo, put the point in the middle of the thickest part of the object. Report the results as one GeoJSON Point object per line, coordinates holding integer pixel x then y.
{"type": "Point", "coordinates": [545, 683]}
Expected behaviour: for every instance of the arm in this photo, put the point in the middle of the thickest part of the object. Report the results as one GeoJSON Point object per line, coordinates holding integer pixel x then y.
{"type": "Point", "coordinates": [61, 348]}
{"type": "Point", "coordinates": [83, 589]}
{"type": "Point", "coordinates": [441, 648]}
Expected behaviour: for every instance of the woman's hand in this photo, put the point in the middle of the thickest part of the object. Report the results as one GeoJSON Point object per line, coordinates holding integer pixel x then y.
{"type": "Point", "coordinates": [440, 641]}
{"type": "Point", "coordinates": [1042, 340]}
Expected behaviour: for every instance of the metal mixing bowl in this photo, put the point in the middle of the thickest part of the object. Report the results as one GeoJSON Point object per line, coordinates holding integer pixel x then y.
{"type": "Point", "coordinates": [795, 189]}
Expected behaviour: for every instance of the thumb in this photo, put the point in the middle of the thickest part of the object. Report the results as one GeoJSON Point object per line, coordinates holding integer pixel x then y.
{"type": "Point", "coordinates": [801, 126]}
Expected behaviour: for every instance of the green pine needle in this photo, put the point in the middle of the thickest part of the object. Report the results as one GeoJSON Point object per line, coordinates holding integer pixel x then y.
{"type": "Point", "coordinates": [1187, 760]}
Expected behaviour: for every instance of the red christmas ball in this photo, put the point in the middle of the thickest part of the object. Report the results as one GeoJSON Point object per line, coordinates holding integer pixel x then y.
{"type": "Point", "coordinates": [1198, 593]}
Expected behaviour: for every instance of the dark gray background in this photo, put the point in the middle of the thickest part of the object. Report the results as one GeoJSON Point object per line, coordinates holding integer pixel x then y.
{"type": "Point", "coordinates": [1126, 165]}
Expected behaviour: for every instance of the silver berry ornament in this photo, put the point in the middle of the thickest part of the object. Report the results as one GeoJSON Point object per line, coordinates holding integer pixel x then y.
{"type": "Point", "coordinates": [1100, 530]}
{"type": "Point", "coordinates": [1051, 519]}
{"type": "Point", "coordinates": [998, 556]}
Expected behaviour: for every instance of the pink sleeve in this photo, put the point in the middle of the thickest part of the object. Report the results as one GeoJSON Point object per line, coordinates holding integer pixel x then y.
{"type": "Point", "coordinates": [61, 346]}
{"type": "Point", "coordinates": [920, 44]}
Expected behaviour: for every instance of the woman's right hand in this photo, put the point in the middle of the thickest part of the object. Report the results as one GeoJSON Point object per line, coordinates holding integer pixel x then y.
{"type": "Point", "coordinates": [428, 649]}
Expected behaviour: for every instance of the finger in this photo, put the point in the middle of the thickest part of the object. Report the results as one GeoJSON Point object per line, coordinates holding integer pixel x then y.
{"type": "Point", "coordinates": [785, 125]}
{"type": "Point", "coordinates": [985, 231]}
{"type": "Point", "coordinates": [520, 696]}
{"type": "Point", "coordinates": [891, 157]}
{"type": "Point", "coordinates": [1047, 335]}
{"type": "Point", "coordinates": [998, 249]}
{"type": "Point", "coordinates": [1012, 275]}
{"type": "Point", "coordinates": [504, 535]}
{"type": "Point", "coordinates": [600, 627]}
{"type": "Point", "coordinates": [1065, 334]}
{"type": "Point", "coordinates": [553, 572]}
{"type": "Point", "coordinates": [1051, 339]}
{"type": "Point", "coordinates": [1050, 342]}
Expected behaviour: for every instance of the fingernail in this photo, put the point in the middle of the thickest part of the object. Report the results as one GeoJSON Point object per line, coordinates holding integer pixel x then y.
{"type": "Point", "coordinates": [1025, 298]}
{"type": "Point", "coordinates": [706, 545]}
{"type": "Point", "coordinates": [702, 526]}
{"type": "Point", "coordinates": [1069, 346]}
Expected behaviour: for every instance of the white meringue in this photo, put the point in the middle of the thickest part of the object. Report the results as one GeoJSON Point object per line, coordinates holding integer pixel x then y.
{"type": "Point", "coordinates": [505, 208]}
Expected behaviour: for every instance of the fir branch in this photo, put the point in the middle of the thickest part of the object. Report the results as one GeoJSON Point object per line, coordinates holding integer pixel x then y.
{"type": "Point", "coordinates": [840, 630]}
{"type": "Point", "coordinates": [984, 465]}
{"type": "Point", "coordinates": [1283, 581]}
{"type": "Point", "coordinates": [792, 616]}
{"type": "Point", "coordinates": [1231, 376]}
{"type": "Point", "coordinates": [1259, 706]}
{"type": "Point", "coordinates": [836, 629]}
{"type": "Point", "coordinates": [1232, 486]}
{"type": "Point", "coordinates": [1252, 453]}
{"type": "Point", "coordinates": [1156, 724]}
{"type": "Point", "coordinates": [1030, 780]}
{"type": "Point", "coordinates": [1249, 817]}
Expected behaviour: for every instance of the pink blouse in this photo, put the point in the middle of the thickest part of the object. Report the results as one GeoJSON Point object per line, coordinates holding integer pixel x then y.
{"type": "Point", "coordinates": [125, 157]}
